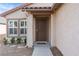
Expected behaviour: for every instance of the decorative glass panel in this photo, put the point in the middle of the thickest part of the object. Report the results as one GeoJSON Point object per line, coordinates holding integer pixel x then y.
{"type": "Point", "coordinates": [22, 23]}
{"type": "Point", "coordinates": [10, 30]}
{"type": "Point", "coordinates": [15, 30]}
{"type": "Point", "coordinates": [15, 23]}
{"type": "Point", "coordinates": [11, 24]}
{"type": "Point", "coordinates": [22, 31]}
{"type": "Point", "coordinates": [25, 30]}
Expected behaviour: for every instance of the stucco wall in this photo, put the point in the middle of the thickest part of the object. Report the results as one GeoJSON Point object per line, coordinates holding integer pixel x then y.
{"type": "Point", "coordinates": [17, 14]}
{"type": "Point", "coordinates": [67, 29]}
{"type": "Point", "coordinates": [30, 31]}
{"type": "Point", "coordinates": [21, 15]}
{"type": "Point", "coordinates": [51, 31]}
{"type": "Point", "coordinates": [2, 25]}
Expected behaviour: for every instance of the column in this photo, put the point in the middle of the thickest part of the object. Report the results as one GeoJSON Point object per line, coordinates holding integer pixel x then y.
{"type": "Point", "coordinates": [30, 30]}
{"type": "Point", "coordinates": [52, 31]}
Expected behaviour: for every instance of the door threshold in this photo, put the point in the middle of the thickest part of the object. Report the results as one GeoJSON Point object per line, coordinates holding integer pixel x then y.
{"type": "Point", "coordinates": [41, 42]}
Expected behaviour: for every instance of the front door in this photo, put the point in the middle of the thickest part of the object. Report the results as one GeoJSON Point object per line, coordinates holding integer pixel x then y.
{"type": "Point", "coordinates": [41, 28]}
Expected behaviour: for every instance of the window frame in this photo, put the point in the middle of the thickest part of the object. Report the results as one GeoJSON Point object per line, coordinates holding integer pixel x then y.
{"type": "Point", "coordinates": [23, 27]}
{"type": "Point", "coordinates": [13, 27]}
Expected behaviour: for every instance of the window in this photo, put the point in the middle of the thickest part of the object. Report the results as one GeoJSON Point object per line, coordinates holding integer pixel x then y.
{"type": "Point", "coordinates": [15, 30]}
{"type": "Point", "coordinates": [13, 27]}
{"type": "Point", "coordinates": [23, 27]}
{"type": "Point", "coordinates": [11, 30]}
{"type": "Point", "coordinates": [25, 23]}
{"type": "Point", "coordinates": [25, 31]}
{"type": "Point", "coordinates": [22, 23]}
{"type": "Point", "coordinates": [22, 31]}
{"type": "Point", "coordinates": [15, 23]}
{"type": "Point", "coordinates": [16, 27]}
{"type": "Point", "coordinates": [10, 23]}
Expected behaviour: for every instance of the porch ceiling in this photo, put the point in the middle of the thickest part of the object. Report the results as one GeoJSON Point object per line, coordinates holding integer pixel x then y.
{"type": "Point", "coordinates": [41, 13]}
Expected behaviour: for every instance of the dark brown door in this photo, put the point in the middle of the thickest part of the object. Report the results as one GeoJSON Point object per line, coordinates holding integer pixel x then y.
{"type": "Point", "coordinates": [41, 29]}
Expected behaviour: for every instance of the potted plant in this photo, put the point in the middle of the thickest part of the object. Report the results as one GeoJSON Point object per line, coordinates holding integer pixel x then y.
{"type": "Point", "coordinates": [19, 40]}
{"type": "Point", "coordinates": [5, 41]}
{"type": "Point", "coordinates": [25, 41]}
{"type": "Point", "coordinates": [13, 40]}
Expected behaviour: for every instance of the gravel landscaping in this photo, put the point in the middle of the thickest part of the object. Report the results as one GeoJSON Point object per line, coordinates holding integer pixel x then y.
{"type": "Point", "coordinates": [14, 50]}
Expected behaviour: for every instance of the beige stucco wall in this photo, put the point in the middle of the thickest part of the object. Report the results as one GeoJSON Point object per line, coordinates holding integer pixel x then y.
{"type": "Point", "coordinates": [17, 14]}
{"type": "Point", "coordinates": [30, 30]}
{"type": "Point", "coordinates": [67, 29]}
{"type": "Point", "coordinates": [2, 25]}
{"type": "Point", "coordinates": [33, 29]}
{"type": "Point", "coordinates": [29, 17]}
{"type": "Point", "coordinates": [51, 31]}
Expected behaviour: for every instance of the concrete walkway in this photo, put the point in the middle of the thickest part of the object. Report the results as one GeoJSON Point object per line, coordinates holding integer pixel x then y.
{"type": "Point", "coordinates": [42, 50]}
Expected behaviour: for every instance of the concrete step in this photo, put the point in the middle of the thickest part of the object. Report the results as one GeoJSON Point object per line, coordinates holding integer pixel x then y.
{"type": "Point", "coordinates": [42, 50]}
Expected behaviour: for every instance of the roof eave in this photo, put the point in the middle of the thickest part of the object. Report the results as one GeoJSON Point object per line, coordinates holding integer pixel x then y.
{"type": "Point", "coordinates": [56, 7]}
{"type": "Point", "coordinates": [14, 9]}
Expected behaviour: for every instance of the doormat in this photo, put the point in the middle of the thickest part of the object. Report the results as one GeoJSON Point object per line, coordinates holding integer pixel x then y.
{"type": "Point", "coordinates": [41, 43]}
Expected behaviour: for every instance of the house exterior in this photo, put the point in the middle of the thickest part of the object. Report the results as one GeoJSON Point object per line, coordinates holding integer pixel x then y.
{"type": "Point", "coordinates": [2, 26]}
{"type": "Point", "coordinates": [21, 22]}
{"type": "Point", "coordinates": [54, 23]}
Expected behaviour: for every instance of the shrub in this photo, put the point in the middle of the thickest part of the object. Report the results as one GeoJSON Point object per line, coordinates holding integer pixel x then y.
{"type": "Point", "coordinates": [5, 41]}
{"type": "Point", "coordinates": [18, 40]}
{"type": "Point", "coordinates": [13, 40]}
{"type": "Point", "coordinates": [25, 41]}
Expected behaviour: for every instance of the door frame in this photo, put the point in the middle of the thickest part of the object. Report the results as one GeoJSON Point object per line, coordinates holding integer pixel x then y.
{"type": "Point", "coordinates": [47, 26]}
